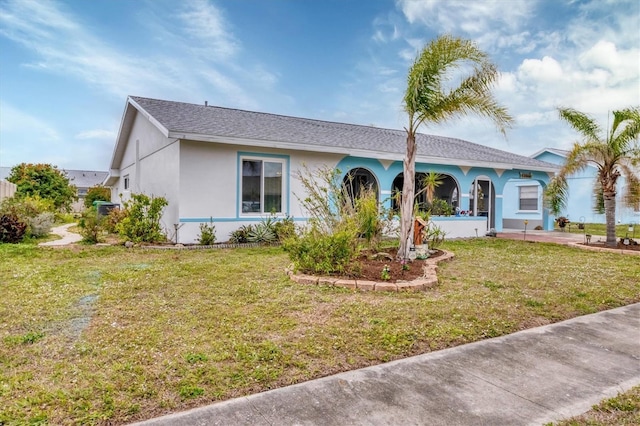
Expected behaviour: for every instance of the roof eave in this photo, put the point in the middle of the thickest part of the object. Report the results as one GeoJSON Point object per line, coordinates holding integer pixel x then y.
{"type": "Point", "coordinates": [380, 155]}
{"type": "Point", "coordinates": [126, 124]}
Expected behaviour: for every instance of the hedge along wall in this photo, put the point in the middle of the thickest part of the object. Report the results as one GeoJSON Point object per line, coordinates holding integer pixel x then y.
{"type": "Point", "coordinates": [7, 189]}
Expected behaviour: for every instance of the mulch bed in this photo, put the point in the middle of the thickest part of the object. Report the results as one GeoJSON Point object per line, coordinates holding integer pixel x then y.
{"type": "Point", "coordinates": [371, 268]}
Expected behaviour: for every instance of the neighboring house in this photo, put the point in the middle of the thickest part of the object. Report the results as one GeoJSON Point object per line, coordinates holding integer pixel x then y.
{"type": "Point", "coordinates": [524, 197]}
{"type": "Point", "coordinates": [237, 167]}
{"type": "Point", "coordinates": [81, 179]}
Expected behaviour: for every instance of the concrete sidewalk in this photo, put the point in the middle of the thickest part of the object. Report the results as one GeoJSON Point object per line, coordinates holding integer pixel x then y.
{"type": "Point", "coordinates": [526, 378]}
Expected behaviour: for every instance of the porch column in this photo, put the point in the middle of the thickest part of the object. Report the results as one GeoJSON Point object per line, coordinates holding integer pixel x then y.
{"type": "Point", "coordinates": [497, 212]}
{"type": "Point", "coordinates": [548, 220]}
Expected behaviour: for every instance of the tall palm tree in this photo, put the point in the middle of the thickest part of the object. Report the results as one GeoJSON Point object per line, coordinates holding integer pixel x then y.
{"type": "Point", "coordinates": [432, 98]}
{"type": "Point", "coordinates": [614, 153]}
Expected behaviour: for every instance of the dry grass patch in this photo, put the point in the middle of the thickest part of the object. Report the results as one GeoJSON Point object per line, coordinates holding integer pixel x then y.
{"type": "Point", "coordinates": [100, 335]}
{"type": "Point", "coordinates": [622, 410]}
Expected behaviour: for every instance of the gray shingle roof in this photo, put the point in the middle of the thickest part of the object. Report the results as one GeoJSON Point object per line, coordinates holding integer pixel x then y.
{"type": "Point", "coordinates": [212, 121]}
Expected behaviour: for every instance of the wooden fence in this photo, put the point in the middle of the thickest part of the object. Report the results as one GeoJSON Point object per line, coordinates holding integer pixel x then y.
{"type": "Point", "coordinates": [7, 189]}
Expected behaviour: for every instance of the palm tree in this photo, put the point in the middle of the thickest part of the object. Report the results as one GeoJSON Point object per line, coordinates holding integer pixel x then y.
{"type": "Point", "coordinates": [430, 98]}
{"type": "Point", "coordinates": [614, 153]}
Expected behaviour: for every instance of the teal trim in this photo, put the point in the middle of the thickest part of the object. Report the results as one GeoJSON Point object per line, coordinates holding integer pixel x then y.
{"type": "Point", "coordinates": [287, 182]}
{"type": "Point", "coordinates": [233, 219]}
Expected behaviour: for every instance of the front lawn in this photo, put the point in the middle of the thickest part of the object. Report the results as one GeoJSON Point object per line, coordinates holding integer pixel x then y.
{"type": "Point", "coordinates": [622, 230]}
{"type": "Point", "coordinates": [110, 335]}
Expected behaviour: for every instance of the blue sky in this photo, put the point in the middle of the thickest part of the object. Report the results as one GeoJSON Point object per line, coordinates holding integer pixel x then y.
{"type": "Point", "coordinates": [66, 67]}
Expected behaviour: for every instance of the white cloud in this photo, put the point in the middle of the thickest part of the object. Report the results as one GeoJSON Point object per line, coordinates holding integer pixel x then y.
{"type": "Point", "coordinates": [470, 17]}
{"type": "Point", "coordinates": [206, 25]}
{"type": "Point", "coordinates": [97, 134]}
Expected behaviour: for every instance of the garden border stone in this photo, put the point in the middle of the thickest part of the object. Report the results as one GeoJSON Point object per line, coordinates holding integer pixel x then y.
{"type": "Point", "coordinates": [428, 280]}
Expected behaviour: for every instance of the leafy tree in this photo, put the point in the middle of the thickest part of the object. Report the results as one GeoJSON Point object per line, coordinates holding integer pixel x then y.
{"type": "Point", "coordinates": [97, 193]}
{"type": "Point", "coordinates": [614, 152]}
{"type": "Point", "coordinates": [45, 181]}
{"type": "Point", "coordinates": [431, 98]}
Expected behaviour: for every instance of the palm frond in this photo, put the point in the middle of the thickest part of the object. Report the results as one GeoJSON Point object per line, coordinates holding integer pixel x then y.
{"type": "Point", "coordinates": [631, 195]}
{"type": "Point", "coordinates": [582, 123]}
{"type": "Point", "coordinates": [598, 198]}
{"type": "Point", "coordinates": [556, 194]}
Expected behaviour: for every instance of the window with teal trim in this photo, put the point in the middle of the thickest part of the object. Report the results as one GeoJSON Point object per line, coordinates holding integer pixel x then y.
{"type": "Point", "coordinates": [262, 186]}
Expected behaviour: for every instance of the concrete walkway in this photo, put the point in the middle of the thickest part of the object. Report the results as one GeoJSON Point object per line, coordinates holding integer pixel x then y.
{"type": "Point", "coordinates": [526, 378]}
{"type": "Point", "coordinates": [67, 237]}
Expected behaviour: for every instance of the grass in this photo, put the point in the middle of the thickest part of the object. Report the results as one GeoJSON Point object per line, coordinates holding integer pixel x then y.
{"type": "Point", "coordinates": [600, 229]}
{"type": "Point", "coordinates": [623, 409]}
{"type": "Point", "coordinates": [97, 335]}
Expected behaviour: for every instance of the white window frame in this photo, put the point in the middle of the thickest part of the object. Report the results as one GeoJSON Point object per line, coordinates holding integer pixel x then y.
{"type": "Point", "coordinates": [283, 195]}
{"type": "Point", "coordinates": [537, 198]}
{"type": "Point", "coordinates": [126, 182]}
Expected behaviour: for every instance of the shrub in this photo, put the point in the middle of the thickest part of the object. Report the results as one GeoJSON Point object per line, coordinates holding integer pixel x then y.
{"type": "Point", "coordinates": [368, 218]}
{"type": "Point", "coordinates": [40, 226]}
{"type": "Point", "coordinates": [112, 219]}
{"type": "Point", "coordinates": [241, 235]}
{"type": "Point", "coordinates": [26, 207]}
{"type": "Point", "coordinates": [91, 226]}
{"type": "Point", "coordinates": [142, 221]}
{"type": "Point", "coordinates": [97, 193]}
{"type": "Point", "coordinates": [262, 233]}
{"type": "Point", "coordinates": [440, 207]}
{"type": "Point", "coordinates": [12, 229]}
{"type": "Point", "coordinates": [317, 253]}
{"type": "Point", "coordinates": [207, 233]}
{"type": "Point", "coordinates": [284, 228]}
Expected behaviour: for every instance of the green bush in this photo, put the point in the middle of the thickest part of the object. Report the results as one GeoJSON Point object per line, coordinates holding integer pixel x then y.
{"type": "Point", "coordinates": [317, 253]}
{"type": "Point", "coordinates": [97, 193]}
{"type": "Point", "coordinates": [12, 229]}
{"type": "Point", "coordinates": [207, 233]}
{"type": "Point", "coordinates": [241, 235]}
{"type": "Point", "coordinates": [142, 220]}
{"type": "Point", "coordinates": [91, 227]}
{"type": "Point", "coordinates": [40, 226]}
{"type": "Point", "coordinates": [112, 219]}
{"type": "Point", "coordinates": [284, 228]}
{"type": "Point", "coordinates": [262, 233]}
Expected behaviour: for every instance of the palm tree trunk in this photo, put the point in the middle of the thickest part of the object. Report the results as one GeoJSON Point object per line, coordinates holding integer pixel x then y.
{"type": "Point", "coordinates": [408, 190]}
{"type": "Point", "coordinates": [610, 217]}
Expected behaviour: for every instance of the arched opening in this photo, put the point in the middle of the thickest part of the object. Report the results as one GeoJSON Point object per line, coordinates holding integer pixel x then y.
{"type": "Point", "coordinates": [445, 199]}
{"type": "Point", "coordinates": [358, 181]}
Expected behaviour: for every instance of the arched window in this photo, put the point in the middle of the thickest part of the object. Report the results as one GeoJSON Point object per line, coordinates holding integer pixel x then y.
{"type": "Point", "coordinates": [358, 181]}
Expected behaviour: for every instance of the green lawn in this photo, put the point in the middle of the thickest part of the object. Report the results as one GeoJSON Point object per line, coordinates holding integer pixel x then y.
{"type": "Point", "coordinates": [109, 335]}
{"type": "Point", "coordinates": [601, 229]}
{"type": "Point", "coordinates": [623, 409]}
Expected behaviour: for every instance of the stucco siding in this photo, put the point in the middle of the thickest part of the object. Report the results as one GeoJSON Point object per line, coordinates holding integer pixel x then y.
{"type": "Point", "coordinates": [209, 185]}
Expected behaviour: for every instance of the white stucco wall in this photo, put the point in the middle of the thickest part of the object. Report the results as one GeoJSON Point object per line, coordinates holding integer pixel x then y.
{"type": "Point", "coordinates": [209, 185]}
{"type": "Point", "coordinates": [151, 163]}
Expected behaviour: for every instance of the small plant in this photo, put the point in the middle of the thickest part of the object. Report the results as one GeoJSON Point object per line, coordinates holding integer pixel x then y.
{"type": "Point", "coordinates": [12, 229]}
{"type": "Point", "coordinates": [386, 273]}
{"type": "Point", "coordinates": [405, 264]}
{"type": "Point", "coordinates": [195, 358]}
{"type": "Point", "coordinates": [284, 228]}
{"type": "Point", "coordinates": [207, 233]}
{"type": "Point", "coordinates": [91, 227]}
{"type": "Point", "coordinates": [112, 219]}
{"type": "Point", "coordinates": [262, 233]}
{"type": "Point", "coordinates": [241, 235]}
{"type": "Point", "coordinates": [188, 391]}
